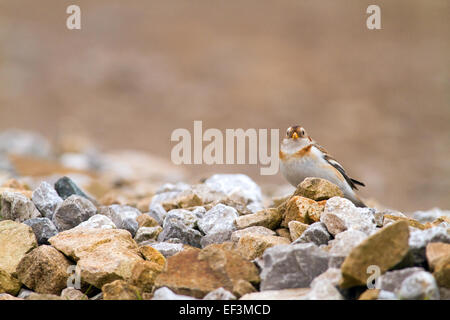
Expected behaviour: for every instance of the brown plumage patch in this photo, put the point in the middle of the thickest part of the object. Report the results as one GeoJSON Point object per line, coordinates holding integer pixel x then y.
{"type": "Point", "coordinates": [302, 152]}
{"type": "Point", "coordinates": [282, 155]}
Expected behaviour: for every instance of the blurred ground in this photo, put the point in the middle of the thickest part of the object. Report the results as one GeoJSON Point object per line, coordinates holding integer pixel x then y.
{"type": "Point", "coordinates": [377, 100]}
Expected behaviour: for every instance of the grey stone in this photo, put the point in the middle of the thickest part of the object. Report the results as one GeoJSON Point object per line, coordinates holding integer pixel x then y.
{"type": "Point", "coordinates": [218, 237]}
{"type": "Point", "coordinates": [316, 233]}
{"type": "Point", "coordinates": [157, 212]}
{"type": "Point", "coordinates": [292, 266]}
{"type": "Point", "coordinates": [324, 286]}
{"type": "Point", "coordinates": [24, 293]}
{"type": "Point", "coordinates": [165, 293]}
{"type": "Point", "coordinates": [218, 219]}
{"type": "Point", "coordinates": [147, 233]}
{"type": "Point", "coordinates": [220, 294]}
{"type": "Point", "coordinates": [182, 215]}
{"type": "Point", "coordinates": [392, 280]}
{"type": "Point", "coordinates": [420, 285]}
{"type": "Point", "coordinates": [341, 214]}
{"type": "Point", "coordinates": [43, 229]}
{"type": "Point", "coordinates": [240, 185]}
{"type": "Point", "coordinates": [418, 240]}
{"type": "Point", "coordinates": [46, 199]}
{"type": "Point", "coordinates": [17, 207]}
{"type": "Point", "coordinates": [65, 188]}
{"type": "Point", "coordinates": [345, 241]}
{"type": "Point", "coordinates": [386, 295]}
{"type": "Point", "coordinates": [97, 221]}
{"type": "Point", "coordinates": [430, 215]}
{"type": "Point", "coordinates": [124, 217]}
{"type": "Point", "coordinates": [73, 211]}
{"type": "Point", "coordinates": [182, 229]}
{"type": "Point", "coordinates": [167, 249]}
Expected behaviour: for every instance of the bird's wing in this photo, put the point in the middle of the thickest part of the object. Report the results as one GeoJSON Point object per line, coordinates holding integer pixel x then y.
{"type": "Point", "coordinates": [338, 167]}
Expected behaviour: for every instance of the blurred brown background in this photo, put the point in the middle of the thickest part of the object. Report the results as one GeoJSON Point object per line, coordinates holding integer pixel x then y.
{"type": "Point", "coordinates": [377, 100]}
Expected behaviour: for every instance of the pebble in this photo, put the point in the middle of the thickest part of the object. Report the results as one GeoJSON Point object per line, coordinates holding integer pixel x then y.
{"type": "Point", "coordinates": [17, 207]}
{"type": "Point", "coordinates": [341, 214]}
{"type": "Point", "coordinates": [316, 233]}
{"type": "Point", "coordinates": [43, 229]}
{"type": "Point", "coordinates": [292, 266]}
{"type": "Point", "coordinates": [123, 216]}
{"type": "Point", "coordinates": [73, 211]}
{"type": "Point", "coordinates": [46, 199]}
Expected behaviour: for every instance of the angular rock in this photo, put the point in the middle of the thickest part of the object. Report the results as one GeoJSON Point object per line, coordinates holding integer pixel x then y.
{"type": "Point", "coordinates": [269, 218]}
{"type": "Point", "coordinates": [43, 229]}
{"type": "Point", "coordinates": [144, 274]}
{"type": "Point", "coordinates": [420, 285]}
{"type": "Point", "coordinates": [240, 184]}
{"type": "Point", "coordinates": [392, 280]}
{"type": "Point", "coordinates": [124, 217]}
{"type": "Point", "coordinates": [301, 209]}
{"type": "Point", "coordinates": [344, 242]}
{"type": "Point", "coordinates": [385, 249]}
{"type": "Point", "coordinates": [242, 287]}
{"type": "Point", "coordinates": [296, 229]}
{"type": "Point", "coordinates": [292, 266]}
{"type": "Point", "coordinates": [65, 188]}
{"type": "Point", "coordinates": [324, 286]}
{"type": "Point", "coordinates": [197, 272]}
{"type": "Point", "coordinates": [151, 254]}
{"type": "Point", "coordinates": [73, 211]}
{"type": "Point", "coordinates": [8, 283]}
{"type": "Point", "coordinates": [316, 233]}
{"type": "Point", "coordinates": [46, 199]}
{"type": "Point", "coordinates": [167, 249]}
{"type": "Point", "coordinates": [283, 232]}
{"type": "Point", "coordinates": [220, 294]}
{"type": "Point", "coordinates": [157, 212]}
{"type": "Point", "coordinates": [147, 233]}
{"type": "Point", "coordinates": [284, 294]}
{"type": "Point", "coordinates": [17, 207]}
{"type": "Point", "coordinates": [165, 293]}
{"type": "Point", "coordinates": [419, 239]}
{"type": "Point", "coordinates": [219, 237]}
{"type": "Point", "coordinates": [341, 214]}
{"type": "Point", "coordinates": [236, 235]}
{"type": "Point", "coordinates": [219, 219]}
{"type": "Point", "coordinates": [73, 294]}
{"type": "Point", "coordinates": [252, 246]}
{"type": "Point", "coordinates": [144, 220]}
{"type": "Point", "coordinates": [180, 224]}
{"type": "Point", "coordinates": [435, 252]}
{"type": "Point", "coordinates": [442, 271]}
{"type": "Point", "coordinates": [44, 270]}
{"type": "Point", "coordinates": [43, 296]}
{"type": "Point", "coordinates": [121, 290]}
{"type": "Point", "coordinates": [318, 189]}
{"type": "Point", "coordinates": [97, 221]}
{"type": "Point", "coordinates": [16, 240]}
{"type": "Point", "coordinates": [102, 255]}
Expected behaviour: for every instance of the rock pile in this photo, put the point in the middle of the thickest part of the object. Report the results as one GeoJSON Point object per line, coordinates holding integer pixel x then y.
{"type": "Point", "coordinates": [217, 239]}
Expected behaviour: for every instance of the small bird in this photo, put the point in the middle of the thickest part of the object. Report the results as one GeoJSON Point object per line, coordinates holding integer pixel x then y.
{"type": "Point", "coordinates": [302, 157]}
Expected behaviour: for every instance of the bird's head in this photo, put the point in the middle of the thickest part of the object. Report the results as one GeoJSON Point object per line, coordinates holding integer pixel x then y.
{"type": "Point", "coordinates": [296, 132]}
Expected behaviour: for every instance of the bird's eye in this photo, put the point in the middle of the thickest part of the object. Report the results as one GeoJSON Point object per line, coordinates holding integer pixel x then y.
{"type": "Point", "coordinates": [302, 132]}
{"type": "Point", "coordinates": [288, 132]}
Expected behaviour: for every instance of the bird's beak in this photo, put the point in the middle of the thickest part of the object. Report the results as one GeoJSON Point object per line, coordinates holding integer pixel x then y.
{"type": "Point", "coordinates": [295, 135]}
